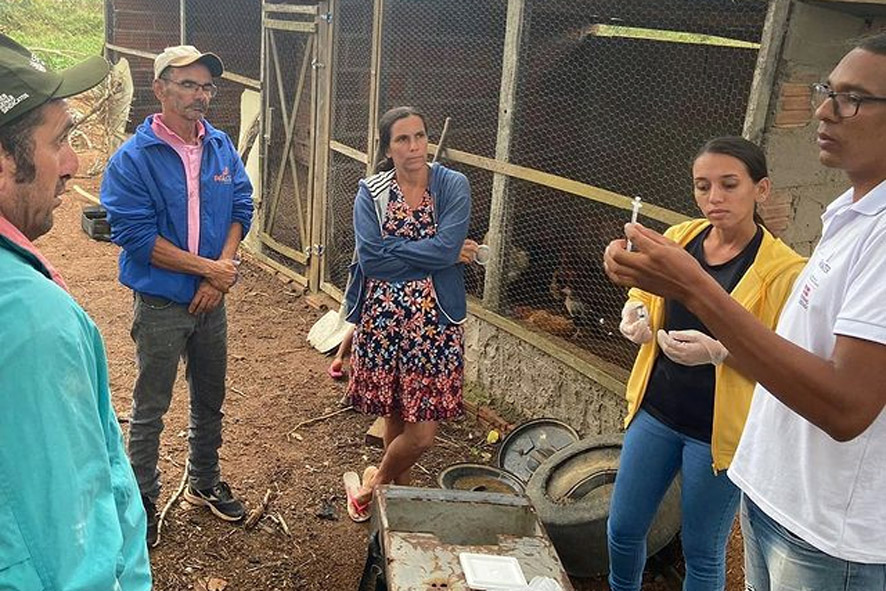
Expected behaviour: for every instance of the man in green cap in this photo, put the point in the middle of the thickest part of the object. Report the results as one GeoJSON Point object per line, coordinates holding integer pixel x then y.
{"type": "Point", "coordinates": [70, 513]}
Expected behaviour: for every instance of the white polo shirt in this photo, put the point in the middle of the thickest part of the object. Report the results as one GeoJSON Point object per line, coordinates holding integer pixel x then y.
{"type": "Point", "coordinates": [830, 494]}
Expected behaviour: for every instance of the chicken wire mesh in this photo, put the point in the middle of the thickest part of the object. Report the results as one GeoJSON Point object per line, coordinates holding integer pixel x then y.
{"type": "Point", "coordinates": [615, 94]}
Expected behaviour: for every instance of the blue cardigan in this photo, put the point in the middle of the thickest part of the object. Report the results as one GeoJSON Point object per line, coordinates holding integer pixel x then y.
{"type": "Point", "coordinates": [396, 259]}
{"type": "Point", "coordinates": [145, 192]}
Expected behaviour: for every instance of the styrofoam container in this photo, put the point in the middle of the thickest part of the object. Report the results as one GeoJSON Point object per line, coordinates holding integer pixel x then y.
{"type": "Point", "coordinates": [488, 572]}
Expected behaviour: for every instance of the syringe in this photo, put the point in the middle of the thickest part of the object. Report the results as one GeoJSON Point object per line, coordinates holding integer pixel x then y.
{"type": "Point", "coordinates": [635, 209]}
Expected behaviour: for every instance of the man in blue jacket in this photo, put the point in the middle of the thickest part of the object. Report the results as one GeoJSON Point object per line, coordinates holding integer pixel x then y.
{"type": "Point", "coordinates": [70, 514]}
{"type": "Point", "coordinates": [179, 202]}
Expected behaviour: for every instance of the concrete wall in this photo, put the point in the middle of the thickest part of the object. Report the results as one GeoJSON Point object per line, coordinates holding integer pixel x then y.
{"type": "Point", "coordinates": [520, 380]}
{"type": "Point", "coordinates": [817, 37]}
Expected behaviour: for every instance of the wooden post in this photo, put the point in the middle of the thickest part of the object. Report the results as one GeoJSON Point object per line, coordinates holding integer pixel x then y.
{"type": "Point", "coordinates": [322, 129]}
{"type": "Point", "coordinates": [499, 207]}
{"type": "Point", "coordinates": [774, 30]}
{"type": "Point", "coordinates": [374, 73]}
{"type": "Point", "coordinates": [183, 22]}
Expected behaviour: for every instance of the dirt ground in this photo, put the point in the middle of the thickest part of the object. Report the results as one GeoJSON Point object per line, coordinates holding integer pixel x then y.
{"type": "Point", "coordinates": [275, 381]}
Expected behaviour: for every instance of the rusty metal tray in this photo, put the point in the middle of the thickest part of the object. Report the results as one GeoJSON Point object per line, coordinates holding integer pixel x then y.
{"type": "Point", "coordinates": [423, 531]}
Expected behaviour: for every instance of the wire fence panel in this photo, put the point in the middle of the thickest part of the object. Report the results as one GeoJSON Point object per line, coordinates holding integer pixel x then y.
{"type": "Point", "coordinates": [560, 113]}
{"type": "Point", "coordinates": [615, 95]}
{"type": "Point", "coordinates": [351, 65]}
{"type": "Point", "coordinates": [288, 92]}
{"type": "Point", "coordinates": [232, 30]}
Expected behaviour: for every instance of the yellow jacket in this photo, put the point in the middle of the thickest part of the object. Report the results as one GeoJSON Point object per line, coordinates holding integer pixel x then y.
{"type": "Point", "coordinates": [762, 291]}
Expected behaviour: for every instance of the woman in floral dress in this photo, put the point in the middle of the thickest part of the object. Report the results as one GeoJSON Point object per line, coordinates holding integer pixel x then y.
{"type": "Point", "coordinates": [407, 299]}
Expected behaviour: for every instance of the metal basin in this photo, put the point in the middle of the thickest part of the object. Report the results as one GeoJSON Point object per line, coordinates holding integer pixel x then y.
{"type": "Point", "coordinates": [479, 478]}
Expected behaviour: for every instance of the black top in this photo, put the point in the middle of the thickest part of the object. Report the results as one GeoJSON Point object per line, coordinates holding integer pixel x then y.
{"type": "Point", "coordinates": [681, 396]}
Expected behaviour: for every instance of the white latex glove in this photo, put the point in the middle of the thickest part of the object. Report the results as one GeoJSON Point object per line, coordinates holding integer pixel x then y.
{"type": "Point", "coordinates": [634, 324]}
{"type": "Point", "coordinates": [691, 347]}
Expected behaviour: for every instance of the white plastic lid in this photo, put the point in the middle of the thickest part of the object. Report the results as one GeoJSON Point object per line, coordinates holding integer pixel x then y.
{"type": "Point", "coordinates": [489, 572]}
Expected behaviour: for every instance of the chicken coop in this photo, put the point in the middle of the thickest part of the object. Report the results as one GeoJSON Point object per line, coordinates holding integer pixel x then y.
{"type": "Point", "coordinates": [560, 112]}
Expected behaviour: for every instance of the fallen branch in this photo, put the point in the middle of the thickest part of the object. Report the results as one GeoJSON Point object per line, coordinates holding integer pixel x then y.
{"type": "Point", "coordinates": [256, 513]}
{"type": "Point", "coordinates": [278, 519]}
{"type": "Point", "coordinates": [318, 419]}
{"type": "Point", "coordinates": [238, 392]}
{"type": "Point", "coordinates": [172, 461]}
{"type": "Point", "coordinates": [181, 488]}
{"type": "Point", "coordinates": [95, 109]}
{"type": "Point", "coordinates": [422, 468]}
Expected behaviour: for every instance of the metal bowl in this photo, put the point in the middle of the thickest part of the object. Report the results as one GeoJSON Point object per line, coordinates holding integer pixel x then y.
{"type": "Point", "coordinates": [531, 443]}
{"type": "Point", "coordinates": [480, 478]}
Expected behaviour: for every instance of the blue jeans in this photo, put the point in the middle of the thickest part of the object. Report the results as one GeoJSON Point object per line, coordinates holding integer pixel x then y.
{"type": "Point", "coordinates": [164, 332]}
{"type": "Point", "coordinates": [652, 455]}
{"type": "Point", "coordinates": [777, 560]}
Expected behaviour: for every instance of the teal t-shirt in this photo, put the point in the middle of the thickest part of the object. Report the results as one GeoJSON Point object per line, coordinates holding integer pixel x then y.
{"type": "Point", "coordinates": [70, 512]}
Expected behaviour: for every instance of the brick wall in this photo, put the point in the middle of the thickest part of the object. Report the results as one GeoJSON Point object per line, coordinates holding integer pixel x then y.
{"type": "Point", "coordinates": [229, 28]}
{"type": "Point", "coordinates": [145, 25]}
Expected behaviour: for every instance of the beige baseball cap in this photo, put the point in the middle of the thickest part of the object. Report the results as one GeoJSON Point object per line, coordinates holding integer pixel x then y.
{"type": "Point", "coordinates": [180, 56]}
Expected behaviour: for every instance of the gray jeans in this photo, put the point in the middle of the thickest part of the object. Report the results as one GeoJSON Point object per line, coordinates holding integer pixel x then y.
{"type": "Point", "coordinates": [165, 331]}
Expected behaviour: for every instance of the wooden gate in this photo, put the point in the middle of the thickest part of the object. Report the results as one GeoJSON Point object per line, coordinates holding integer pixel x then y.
{"type": "Point", "coordinates": [290, 217]}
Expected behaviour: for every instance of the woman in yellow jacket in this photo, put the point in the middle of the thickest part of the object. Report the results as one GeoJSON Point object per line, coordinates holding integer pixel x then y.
{"type": "Point", "coordinates": [686, 405]}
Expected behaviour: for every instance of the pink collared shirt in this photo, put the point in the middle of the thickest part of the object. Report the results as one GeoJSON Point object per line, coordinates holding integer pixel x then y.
{"type": "Point", "coordinates": [191, 156]}
{"type": "Point", "coordinates": [14, 235]}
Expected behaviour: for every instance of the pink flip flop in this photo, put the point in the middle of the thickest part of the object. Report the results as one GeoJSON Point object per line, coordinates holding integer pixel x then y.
{"type": "Point", "coordinates": [356, 511]}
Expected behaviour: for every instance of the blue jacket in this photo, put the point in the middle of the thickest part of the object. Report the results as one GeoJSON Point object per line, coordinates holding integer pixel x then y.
{"type": "Point", "coordinates": [71, 516]}
{"type": "Point", "coordinates": [144, 190]}
{"type": "Point", "coordinates": [395, 259]}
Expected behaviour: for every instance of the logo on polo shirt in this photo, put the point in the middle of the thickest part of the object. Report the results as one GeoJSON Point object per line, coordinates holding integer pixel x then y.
{"type": "Point", "coordinates": [8, 102]}
{"type": "Point", "coordinates": [224, 177]}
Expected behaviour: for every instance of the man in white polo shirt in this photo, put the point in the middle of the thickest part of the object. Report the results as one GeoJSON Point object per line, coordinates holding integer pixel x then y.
{"type": "Point", "coordinates": [812, 459]}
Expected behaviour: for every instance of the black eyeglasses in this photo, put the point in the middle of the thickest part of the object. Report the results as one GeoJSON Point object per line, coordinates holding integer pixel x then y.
{"type": "Point", "coordinates": [192, 87]}
{"type": "Point", "coordinates": [846, 104]}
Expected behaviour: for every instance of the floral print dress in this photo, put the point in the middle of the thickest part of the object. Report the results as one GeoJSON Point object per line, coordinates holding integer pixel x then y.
{"type": "Point", "coordinates": [404, 360]}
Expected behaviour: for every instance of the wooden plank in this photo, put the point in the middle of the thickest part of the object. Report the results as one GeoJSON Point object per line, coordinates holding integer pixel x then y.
{"type": "Point", "coordinates": [294, 26]}
{"type": "Point", "coordinates": [280, 268]}
{"type": "Point", "coordinates": [499, 222]}
{"type": "Point", "coordinates": [129, 51]}
{"type": "Point", "coordinates": [667, 36]}
{"type": "Point", "coordinates": [267, 8]}
{"type": "Point", "coordinates": [333, 291]}
{"type": "Point", "coordinates": [374, 69]}
{"type": "Point", "coordinates": [288, 251]}
{"type": "Point", "coordinates": [267, 120]}
{"type": "Point", "coordinates": [774, 29]}
{"type": "Point", "coordinates": [375, 435]}
{"type": "Point", "coordinates": [348, 151]}
{"type": "Point", "coordinates": [244, 80]}
{"type": "Point", "coordinates": [183, 22]}
{"type": "Point", "coordinates": [322, 97]}
{"type": "Point", "coordinates": [564, 184]}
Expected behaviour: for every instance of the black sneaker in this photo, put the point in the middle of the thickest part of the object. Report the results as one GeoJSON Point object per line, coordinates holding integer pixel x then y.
{"type": "Point", "coordinates": [220, 500]}
{"type": "Point", "coordinates": [151, 511]}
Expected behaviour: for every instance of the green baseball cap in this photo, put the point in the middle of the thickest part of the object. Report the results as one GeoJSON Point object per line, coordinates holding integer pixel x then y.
{"type": "Point", "coordinates": [26, 83]}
